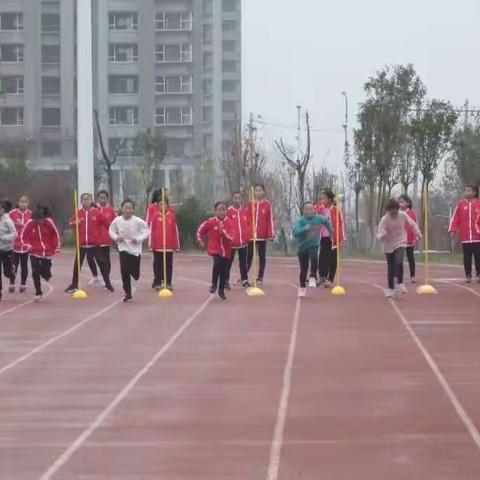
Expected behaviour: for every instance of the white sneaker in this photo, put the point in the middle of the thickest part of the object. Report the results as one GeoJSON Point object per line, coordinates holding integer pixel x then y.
{"type": "Point", "coordinates": [413, 280]}
{"type": "Point", "coordinates": [402, 289]}
{"type": "Point", "coordinates": [389, 293]}
{"type": "Point", "coordinates": [302, 292]}
{"type": "Point", "coordinates": [312, 283]}
{"type": "Point", "coordinates": [328, 284]}
{"type": "Point", "coordinates": [38, 298]}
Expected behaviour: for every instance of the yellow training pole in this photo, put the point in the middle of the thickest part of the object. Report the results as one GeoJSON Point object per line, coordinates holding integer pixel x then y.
{"type": "Point", "coordinates": [78, 294]}
{"type": "Point", "coordinates": [426, 288]}
{"type": "Point", "coordinates": [164, 292]}
{"type": "Point", "coordinates": [338, 290]}
{"type": "Point", "coordinates": [254, 291]}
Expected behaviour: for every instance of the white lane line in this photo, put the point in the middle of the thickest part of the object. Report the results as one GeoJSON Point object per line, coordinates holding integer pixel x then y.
{"type": "Point", "coordinates": [126, 390]}
{"type": "Point", "coordinates": [459, 409]}
{"type": "Point", "coordinates": [471, 290]}
{"type": "Point", "coordinates": [440, 322]}
{"type": "Point", "coordinates": [28, 302]}
{"type": "Point", "coordinates": [277, 442]}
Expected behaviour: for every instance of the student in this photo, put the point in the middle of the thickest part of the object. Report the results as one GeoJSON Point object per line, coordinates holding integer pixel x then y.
{"type": "Point", "coordinates": [90, 221]}
{"type": "Point", "coordinates": [264, 229]}
{"type": "Point", "coordinates": [328, 243]}
{"type": "Point", "coordinates": [405, 203]}
{"type": "Point", "coordinates": [20, 216]}
{"type": "Point", "coordinates": [129, 232]}
{"type": "Point", "coordinates": [392, 233]}
{"type": "Point", "coordinates": [42, 239]}
{"type": "Point", "coordinates": [217, 234]}
{"type": "Point", "coordinates": [172, 243]}
{"type": "Point", "coordinates": [307, 231]}
{"type": "Point", "coordinates": [108, 214]}
{"type": "Point", "coordinates": [8, 234]}
{"type": "Point", "coordinates": [463, 223]}
{"type": "Point", "coordinates": [242, 224]}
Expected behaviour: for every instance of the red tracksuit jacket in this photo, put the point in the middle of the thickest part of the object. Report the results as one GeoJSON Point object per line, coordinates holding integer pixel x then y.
{"type": "Point", "coordinates": [218, 234]}
{"type": "Point", "coordinates": [20, 219]}
{"type": "Point", "coordinates": [42, 238]}
{"type": "Point", "coordinates": [242, 224]}
{"type": "Point", "coordinates": [464, 221]}
{"type": "Point", "coordinates": [331, 213]}
{"type": "Point", "coordinates": [152, 209]}
{"type": "Point", "coordinates": [90, 225]}
{"type": "Point", "coordinates": [263, 219]}
{"type": "Point", "coordinates": [109, 215]}
{"type": "Point", "coordinates": [156, 231]}
{"type": "Point", "coordinates": [411, 235]}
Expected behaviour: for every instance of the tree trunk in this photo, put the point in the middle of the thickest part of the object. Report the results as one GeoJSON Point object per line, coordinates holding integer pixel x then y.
{"type": "Point", "coordinates": [110, 182]}
{"type": "Point", "coordinates": [283, 236]}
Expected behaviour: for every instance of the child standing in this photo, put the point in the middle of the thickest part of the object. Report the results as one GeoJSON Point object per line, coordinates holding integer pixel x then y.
{"type": "Point", "coordinates": [20, 216]}
{"type": "Point", "coordinates": [463, 222]}
{"type": "Point", "coordinates": [307, 231]}
{"type": "Point", "coordinates": [392, 233]}
{"type": "Point", "coordinates": [405, 203]}
{"type": "Point", "coordinates": [108, 214]}
{"type": "Point", "coordinates": [129, 232]}
{"type": "Point", "coordinates": [7, 236]}
{"type": "Point", "coordinates": [217, 234]}
{"type": "Point", "coordinates": [41, 237]}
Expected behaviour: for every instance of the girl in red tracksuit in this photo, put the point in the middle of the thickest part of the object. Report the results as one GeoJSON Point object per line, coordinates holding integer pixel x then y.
{"type": "Point", "coordinates": [20, 216]}
{"type": "Point", "coordinates": [109, 214]}
{"type": "Point", "coordinates": [463, 223]}
{"type": "Point", "coordinates": [405, 203]}
{"type": "Point", "coordinates": [156, 243]}
{"type": "Point", "coordinates": [90, 222]}
{"type": "Point", "coordinates": [41, 237]}
{"type": "Point", "coordinates": [217, 233]}
{"type": "Point", "coordinates": [242, 224]}
{"type": "Point", "coordinates": [264, 230]}
{"type": "Point", "coordinates": [327, 265]}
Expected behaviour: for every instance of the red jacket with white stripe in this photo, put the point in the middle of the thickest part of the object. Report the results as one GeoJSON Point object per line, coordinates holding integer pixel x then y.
{"type": "Point", "coordinates": [152, 209]}
{"type": "Point", "coordinates": [42, 238]}
{"type": "Point", "coordinates": [242, 224]}
{"type": "Point", "coordinates": [109, 215]}
{"type": "Point", "coordinates": [219, 235]}
{"type": "Point", "coordinates": [20, 219]}
{"type": "Point", "coordinates": [464, 221]}
{"type": "Point", "coordinates": [156, 231]}
{"type": "Point", "coordinates": [411, 235]}
{"type": "Point", "coordinates": [263, 219]}
{"type": "Point", "coordinates": [331, 213]}
{"type": "Point", "coordinates": [90, 225]}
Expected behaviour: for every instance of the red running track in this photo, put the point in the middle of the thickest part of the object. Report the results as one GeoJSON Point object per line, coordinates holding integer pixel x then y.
{"type": "Point", "coordinates": [252, 388]}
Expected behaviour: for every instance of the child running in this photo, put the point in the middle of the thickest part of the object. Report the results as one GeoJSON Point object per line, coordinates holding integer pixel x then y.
{"type": "Point", "coordinates": [20, 216]}
{"type": "Point", "coordinates": [405, 203]}
{"type": "Point", "coordinates": [8, 234]}
{"type": "Point", "coordinates": [307, 231]}
{"type": "Point", "coordinates": [41, 237]}
{"type": "Point", "coordinates": [129, 232]}
{"type": "Point", "coordinates": [108, 214]}
{"type": "Point", "coordinates": [242, 224]}
{"type": "Point", "coordinates": [463, 223]}
{"type": "Point", "coordinates": [392, 233]}
{"type": "Point", "coordinates": [217, 234]}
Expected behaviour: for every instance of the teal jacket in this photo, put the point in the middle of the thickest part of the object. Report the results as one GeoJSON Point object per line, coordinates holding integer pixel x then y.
{"type": "Point", "coordinates": [307, 231]}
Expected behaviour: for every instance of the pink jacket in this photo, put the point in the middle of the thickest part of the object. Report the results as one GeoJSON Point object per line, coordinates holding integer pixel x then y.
{"type": "Point", "coordinates": [392, 231]}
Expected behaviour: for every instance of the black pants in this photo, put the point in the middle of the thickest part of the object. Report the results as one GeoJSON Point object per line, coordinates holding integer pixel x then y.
{"type": "Point", "coordinates": [20, 260]}
{"type": "Point", "coordinates": [411, 261]}
{"type": "Point", "coordinates": [129, 268]}
{"type": "Point", "coordinates": [395, 267]}
{"type": "Point", "coordinates": [308, 258]}
{"type": "Point", "coordinates": [6, 264]}
{"type": "Point", "coordinates": [158, 268]}
{"type": "Point", "coordinates": [41, 268]}
{"type": "Point", "coordinates": [220, 271]}
{"type": "Point", "coordinates": [471, 250]}
{"type": "Point", "coordinates": [262, 257]}
{"type": "Point", "coordinates": [242, 263]}
{"type": "Point", "coordinates": [104, 251]}
{"type": "Point", "coordinates": [327, 264]}
{"type": "Point", "coordinates": [93, 255]}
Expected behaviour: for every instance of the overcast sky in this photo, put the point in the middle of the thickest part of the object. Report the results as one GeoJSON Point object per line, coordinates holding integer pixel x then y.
{"type": "Point", "coordinates": [306, 52]}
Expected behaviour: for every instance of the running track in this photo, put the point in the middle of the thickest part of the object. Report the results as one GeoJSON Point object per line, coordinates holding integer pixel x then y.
{"type": "Point", "coordinates": [252, 388]}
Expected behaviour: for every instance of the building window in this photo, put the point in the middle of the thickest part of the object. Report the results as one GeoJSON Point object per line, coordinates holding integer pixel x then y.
{"type": "Point", "coordinates": [229, 26]}
{"type": "Point", "coordinates": [123, 84]}
{"type": "Point", "coordinates": [229, 45]}
{"type": "Point", "coordinates": [173, 115]}
{"type": "Point", "coordinates": [207, 34]}
{"type": "Point", "coordinates": [230, 5]}
{"type": "Point", "coordinates": [51, 149]}
{"type": "Point", "coordinates": [207, 114]}
{"type": "Point", "coordinates": [229, 106]}
{"type": "Point", "coordinates": [11, 21]}
{"type": "Point", "coordinates": [51, 117]}
{"type": "Point", "coordinates": [51, 54]}
{"type": "Point", "coordinates": [123, 115]}
{"type": "Point", "coordinates": [11, 116]}
{"type": "Point", "coordinates": [173, 21]}
{"type": "Point", "coordinates": [50, 22]}
{"type": "Point", "coordinates": [123, 52]}
{"type": "Point", "coordinates": [207, 87]}
{"type": "Point", "coordinates": [207, 141]}
{"type": "Point", "coordinates": [207, 60]}
{"type": "Point", "coordinates": [123, 21]}
{"type": "Point", "coordinates": [11, 85]}
{"type": "Point", "coordinates": [121, 147]}
{"type": "Point", "coordinates": [173, 84]}
{"type": "Point", "coordinates": [51, 85]}
{"type": "Point", "coordinates": [229, 86]}
{"type": "Point", "coordinates": [177, 53]}
{"type": "Point", "coordinates": [229, 66]}
{"type": "Point", "coordinates": [10, 52]}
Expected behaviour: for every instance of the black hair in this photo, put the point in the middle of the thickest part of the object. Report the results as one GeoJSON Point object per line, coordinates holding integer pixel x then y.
{"type": "Point", "coordinates": [473, 187]}
{"type": "Point", "coordinates": [237, 192]}
{"type": "Point", "coordinates": [86, 194]}
{"type": "Point", "coordinates": [407, 199]}
{"type": "Point", "coordinates": [329, 194]}
{"type": "Point", "coordinates": [41, 212]}
{"type": "Point", "coordinates": [217, 204]}
{"type": "Point", "coordinates": [128, 200]}
{"type": "Point", "coordinates": [104, 192]}
{"type": "Point", "coordinates": [157, 196]}
{"type": "Point", "coordinates": [307, 202]}
{"type": "Point", "coordinates": [392, 205]}
{"type": "Point", "coordinates": [6, 205]}
{"type": "Point", "coordinates": [261, 185]}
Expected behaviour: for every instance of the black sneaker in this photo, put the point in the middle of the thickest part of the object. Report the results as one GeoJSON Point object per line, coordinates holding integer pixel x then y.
{"type": "Point", "coordinates": [170, 287]}
{"type": "Point", "coordinates": [22, 289]}
{"type": "Point", "coordinates": [221, 294]}
{"type": "Point", "coordinates": [212, 289]}
{"type": "Point", "coordinates": [227, 286]}
{"type": "Point", "coordinates": [128, 298]}
{"type": "Point", "coordinates": [469, 279]}
{"type": "Point", "coordinates": [259, 281]}
{"type": "Point", "coordinates": [154, 286]}
{"type": "Point", "coordinates": [109, 287]}
{"type": "Point", "coordinates": [0, 296]}
{"type": "Point", "coordinates": [478, 278]}
{"type": "Point", "coordinates": [71, 289]}
{"type": "Point", "coordinates": [246, 284]}
{"type": "Point", "coordinates": [11, 289]}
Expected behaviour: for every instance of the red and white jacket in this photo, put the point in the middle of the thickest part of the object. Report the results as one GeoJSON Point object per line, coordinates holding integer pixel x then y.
{"type": "Point", "coordinates": [42, 238]}
{"type": "Point", "coordinates": [20, 219]}
{"type": "Point", "coordinates": [411, 235]}
{"type": "Point", "coordinates": [152, 209]}
{"type": "Point", "coordinates": [90, 225]}
{"type": "Point", "coordinates": [242, 224]}
{"type": "Point", "coordinates": [263, 220]}
{"type": "Point", "coordinates": [172, 239]}
{"type": "Point", "coordinates": [219, 235]}
{"type": "Point", "coordinates": [109, 215]}
{"type": "Point", "coordinates": [331, 213]}
{"type": "Point", "coordinates": [464, 221]}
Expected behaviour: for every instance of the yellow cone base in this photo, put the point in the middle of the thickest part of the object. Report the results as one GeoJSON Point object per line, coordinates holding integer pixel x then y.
{"type": "Point", "coordinates": [426, 290]}
{"type": "Point", "coordinates": [79, 295]}
{"type": "Point", "coordinates": [165, 293]}
{"type": "Point", "coordinates": [255, 292]}
{"type": "Point", "coordinates": [338, 291]}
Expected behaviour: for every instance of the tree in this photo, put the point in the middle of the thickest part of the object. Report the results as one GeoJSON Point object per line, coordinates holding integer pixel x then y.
{"type": "Point", "coordinates": [407, 164]}
{"type": "Point", "coordinates": [14, 170]}
{"type": "Point", "coordinates": [466, 154]}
